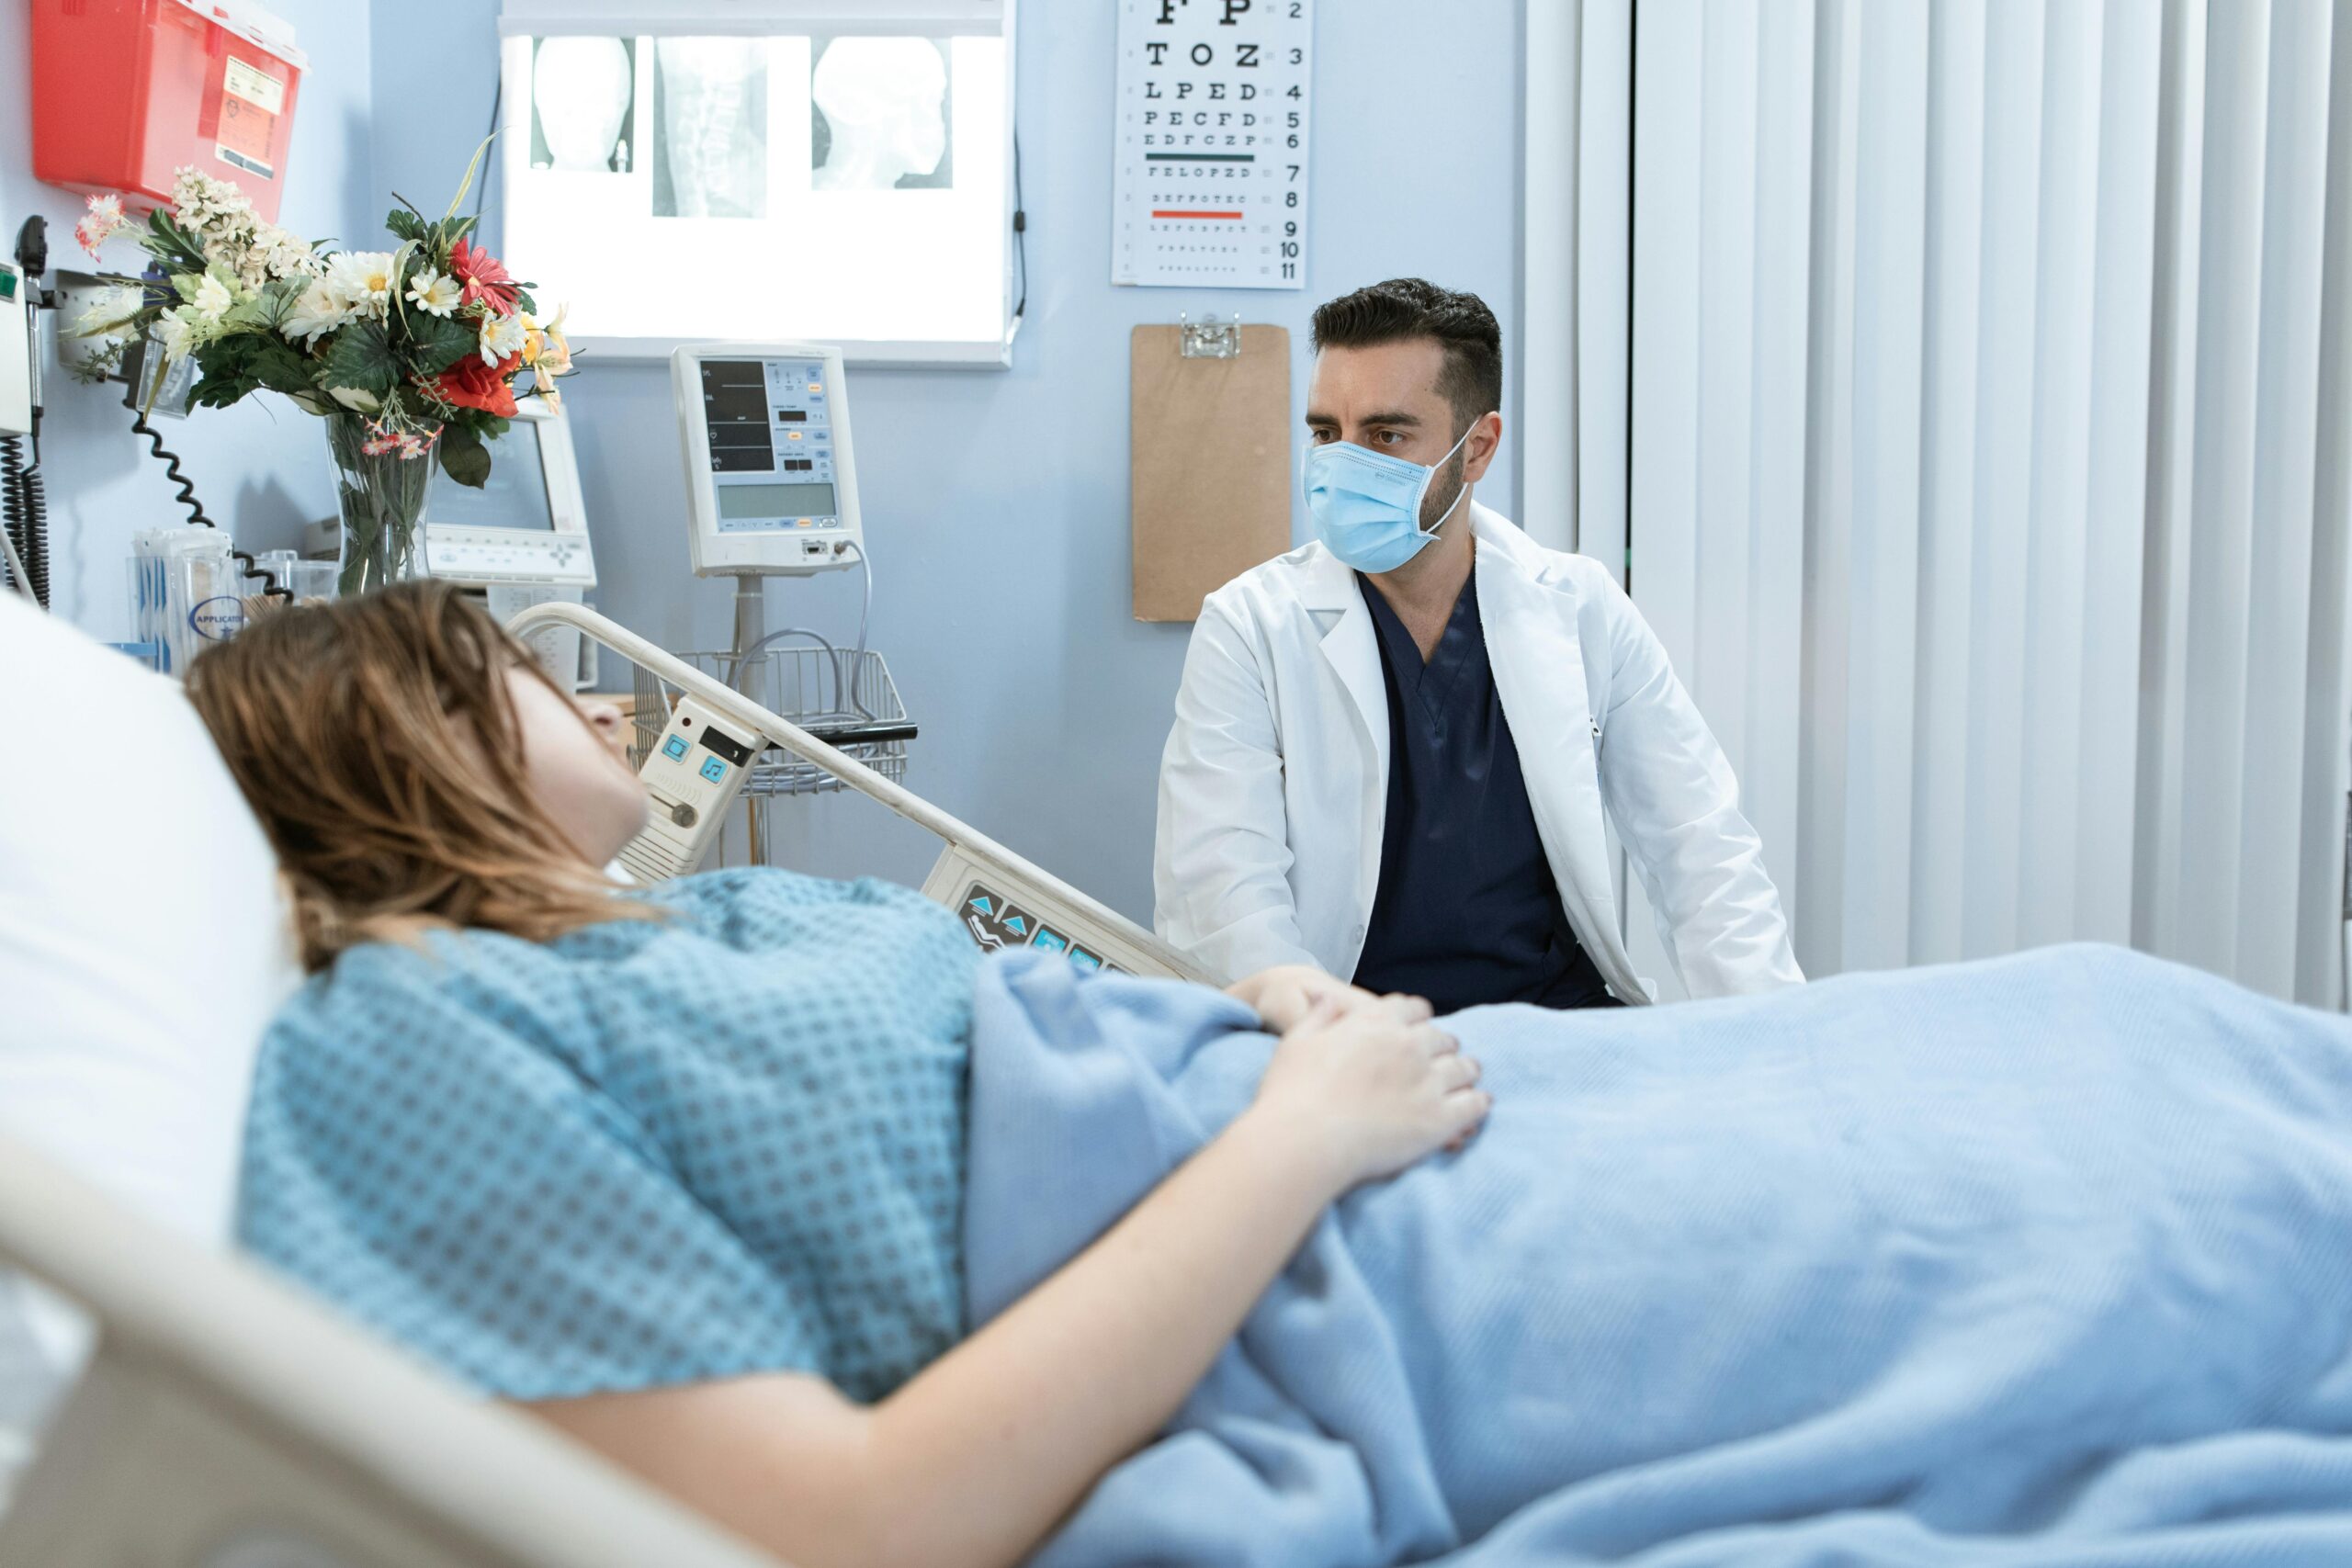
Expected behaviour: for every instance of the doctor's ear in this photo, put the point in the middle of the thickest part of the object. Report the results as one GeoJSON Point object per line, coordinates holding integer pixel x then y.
{"type": "Point", "coordinates": [1485, 438]}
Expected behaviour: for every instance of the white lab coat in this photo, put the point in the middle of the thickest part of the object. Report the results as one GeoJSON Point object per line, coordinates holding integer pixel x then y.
{"type": "Point", "coordinates": [1273, 790]}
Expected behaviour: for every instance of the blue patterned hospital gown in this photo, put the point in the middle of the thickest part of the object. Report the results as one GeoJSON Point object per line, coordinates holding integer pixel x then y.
{"type": "Point", "coordinates": [644, 1153]}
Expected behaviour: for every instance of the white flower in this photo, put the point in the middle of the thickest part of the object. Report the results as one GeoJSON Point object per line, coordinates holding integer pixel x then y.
{"type": "Point", "coordinates": [320, 311]}
{"type": "Point", "coordinates": [208, 203]}
{"type": "Point", "coordinates": [109, 313]}
{"type": "Point", "coordinates": [229, 252]}
{"type": "Point", "coordinates": [501, 335]}
{"type": "Point", "coordinates": [364, 280]}
{"type": "Point", "coordinates": [358, 400]}
{"type": "Point", "coordinates": [212, 299]}
{"type": "Point", "coordinates": [284, 255]}
{"type": "Point", "coordinates": [433, 291]}
{"type": "Point", "coordinates": [175, 335]}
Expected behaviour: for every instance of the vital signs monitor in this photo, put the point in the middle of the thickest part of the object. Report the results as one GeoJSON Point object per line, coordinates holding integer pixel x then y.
{"type": "Point", "coordinates": [522, 536]}
{"type": "Point", "coordinates": [527, 524]}
{"type": "Point", "coordinates": [771, 488]}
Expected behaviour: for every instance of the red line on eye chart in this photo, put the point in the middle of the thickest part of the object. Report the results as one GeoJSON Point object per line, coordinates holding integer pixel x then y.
{"type": "Point", "coordinates": [1175, 212]}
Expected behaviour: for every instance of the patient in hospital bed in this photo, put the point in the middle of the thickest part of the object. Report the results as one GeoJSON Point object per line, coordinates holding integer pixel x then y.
{"type": "Point", "coordinates": [774, 1191]}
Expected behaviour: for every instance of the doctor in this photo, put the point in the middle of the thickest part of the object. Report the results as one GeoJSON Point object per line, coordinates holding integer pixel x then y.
{"type": "Point", "coordinates": [1394, 748]}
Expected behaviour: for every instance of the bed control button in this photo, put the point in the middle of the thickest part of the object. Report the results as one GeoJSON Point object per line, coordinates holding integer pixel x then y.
{"type": "Point", "coordinates": [683, 815]}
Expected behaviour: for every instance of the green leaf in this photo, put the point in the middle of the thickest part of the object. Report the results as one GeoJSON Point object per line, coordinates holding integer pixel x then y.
{"type": "Point", "coordinates": [278, 366]}
{"type": "Point", "coordinates": [436, 342]}
{"type": "Point", "coordinates": [361, 356]}
{"type": "Point", "coordinates": [250, 314]}
{"type": "Point", "coordinates": [166, 241]}
{"type": "Point", "coordinates": [403, 262]}
{"type": "Point", "coordinates": [465, 184]}
{"type": "Point", "coordinates": [524, 302]}
{"type": "Point", "coordinates": [447, 233]}
{"type": "Point", "coordinates": [226, 367]}
{"type": "Point", "coordinates": [406, 225]}
{"type": "Point", "coordinates": [276, 301]}
{"type": "Point", "coordinates": [216, 392]}
{"type": "Point", "coordinates": [463, 456]}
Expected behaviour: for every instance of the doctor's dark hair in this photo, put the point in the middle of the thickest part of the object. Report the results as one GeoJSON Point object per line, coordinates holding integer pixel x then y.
{"type": "Point", "coordinates": [1407, 307]}
{"type": "Point", "coordinates": [376, 740]}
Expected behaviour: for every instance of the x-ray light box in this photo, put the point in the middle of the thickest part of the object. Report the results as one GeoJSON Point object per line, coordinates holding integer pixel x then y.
{"type": "Point", "coordinates": [765, 169]}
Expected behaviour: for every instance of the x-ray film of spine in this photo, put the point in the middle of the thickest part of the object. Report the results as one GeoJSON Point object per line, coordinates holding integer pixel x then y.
{"type": "Point", "coordinates": [1211, 179]}
{"type": "Point", "coordinates": [710, 128]}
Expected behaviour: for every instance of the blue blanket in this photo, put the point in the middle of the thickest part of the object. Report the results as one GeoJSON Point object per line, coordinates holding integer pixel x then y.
{"type": "Point", "coordinates": [2040, 1260]}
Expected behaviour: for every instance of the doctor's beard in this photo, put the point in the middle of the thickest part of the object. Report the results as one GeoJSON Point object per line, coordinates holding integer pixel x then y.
{"type": "Point", "coordinates": [1444, 490]}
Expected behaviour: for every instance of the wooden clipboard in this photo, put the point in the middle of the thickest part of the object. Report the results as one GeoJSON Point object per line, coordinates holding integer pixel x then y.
{"type": "Point", "coordinates": [1211, 465]}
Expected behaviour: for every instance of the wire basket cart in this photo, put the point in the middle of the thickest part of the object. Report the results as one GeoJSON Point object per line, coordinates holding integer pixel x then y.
{"type": "Point", "coordinates": [845, 699]}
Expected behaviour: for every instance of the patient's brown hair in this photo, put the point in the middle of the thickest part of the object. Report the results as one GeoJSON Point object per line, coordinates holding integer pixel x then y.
{"type": "Point", "coordinates": [376, 742]}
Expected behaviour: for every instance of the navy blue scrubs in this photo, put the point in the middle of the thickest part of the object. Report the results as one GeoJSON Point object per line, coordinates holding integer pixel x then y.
{"type": "Point", "coordinates": [1467, 910]}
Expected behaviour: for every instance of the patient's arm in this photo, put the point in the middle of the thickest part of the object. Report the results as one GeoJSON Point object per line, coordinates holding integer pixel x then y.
{"type": "Point", "coordinates": [974, 1461]}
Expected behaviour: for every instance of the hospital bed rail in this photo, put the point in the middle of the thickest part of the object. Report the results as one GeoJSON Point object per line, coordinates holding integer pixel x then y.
{"type": "Point", "coordinates": [971, 867]}
{"type": "Point", "coordinates": [223, 1421]}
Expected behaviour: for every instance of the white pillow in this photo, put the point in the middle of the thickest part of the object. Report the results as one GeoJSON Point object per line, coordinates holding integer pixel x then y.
{"type": "Point", "coordinates": [145, 941]}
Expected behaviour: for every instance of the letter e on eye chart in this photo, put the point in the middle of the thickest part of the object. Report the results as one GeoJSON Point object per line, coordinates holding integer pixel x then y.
{"type": "Point", "coordinates": [1210, 189]}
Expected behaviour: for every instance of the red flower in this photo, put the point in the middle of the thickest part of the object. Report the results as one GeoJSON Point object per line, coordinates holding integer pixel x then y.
{"type": "Point", "coordinates": [485, 277]}
{"type": "Point", "coordinates": [470, 384]}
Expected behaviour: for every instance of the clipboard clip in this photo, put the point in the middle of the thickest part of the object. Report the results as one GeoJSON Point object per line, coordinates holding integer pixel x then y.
{"type": "Point", "coordinates": [1208, 339]}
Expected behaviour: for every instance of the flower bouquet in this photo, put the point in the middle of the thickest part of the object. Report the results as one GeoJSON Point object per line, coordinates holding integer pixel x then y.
{"type": "Point", "coordinates": [410, 355]}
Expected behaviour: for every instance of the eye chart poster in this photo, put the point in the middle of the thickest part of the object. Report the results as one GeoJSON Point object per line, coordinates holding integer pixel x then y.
{"type": "Point", "coordinates": [1212, 134]}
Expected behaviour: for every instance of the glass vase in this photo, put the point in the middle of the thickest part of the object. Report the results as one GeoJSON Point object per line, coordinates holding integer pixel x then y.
{"type": "Point", "coordinates": [380, 482]}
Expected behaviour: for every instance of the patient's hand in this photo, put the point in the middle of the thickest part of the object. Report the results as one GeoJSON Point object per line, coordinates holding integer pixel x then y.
{"type": "Point", "coordinates": [1374, 1089]}
{"type": "Point", "coordinates": [1286, 994]}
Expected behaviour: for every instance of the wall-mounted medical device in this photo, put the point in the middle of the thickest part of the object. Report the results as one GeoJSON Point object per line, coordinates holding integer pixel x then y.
{"type": "Point", "coordinates": [770, 483]}
{"type": "Point", "coordinates": [693, 774]}
{"type": "Point", "coordinates": [527, 524]}
{"type": "Point", "coordinates": [522, 538]}
{"type": "Point", "coordinates": [128, 91]}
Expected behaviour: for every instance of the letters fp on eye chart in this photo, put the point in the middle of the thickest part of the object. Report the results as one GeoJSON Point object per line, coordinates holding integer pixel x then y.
{"type": "Point", "coordinates": [1211, 143]}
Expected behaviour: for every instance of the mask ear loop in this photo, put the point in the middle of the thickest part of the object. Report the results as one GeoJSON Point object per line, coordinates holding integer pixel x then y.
{"type": "Point", "coordinates": [1429, 533]}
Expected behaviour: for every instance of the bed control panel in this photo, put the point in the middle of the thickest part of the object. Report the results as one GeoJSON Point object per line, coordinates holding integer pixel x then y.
{"type": "Point", "coordinates": [693, 774]}
{"type": "Point", "coordinates": [1001, 909]}
{"type": "Point", "coordinates": [995, 923]}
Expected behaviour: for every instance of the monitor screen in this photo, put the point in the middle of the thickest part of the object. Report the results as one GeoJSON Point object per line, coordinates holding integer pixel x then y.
{"type": "Point", "coordinates": [785, 500]}
{"type": "Point", "coordinates": [515, 495]}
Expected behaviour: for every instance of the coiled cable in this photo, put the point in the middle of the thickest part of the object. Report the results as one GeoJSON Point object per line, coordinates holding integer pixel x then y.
{"type": "Point", "coordinates": [19, 500]}
{"type": "Point", "coordinates": [196, 513]}
{"type": "Point", "coordinates": [35, 547]}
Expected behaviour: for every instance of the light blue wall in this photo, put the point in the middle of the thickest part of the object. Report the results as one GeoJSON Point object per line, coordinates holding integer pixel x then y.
{"type": "Point", "coordinates": [997, 502]}
{"type": "Point", "coordinates": [260, 468]}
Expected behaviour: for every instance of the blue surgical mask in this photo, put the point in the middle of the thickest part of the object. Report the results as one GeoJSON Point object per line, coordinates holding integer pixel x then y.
{"type": "Point", "coordinates": [1367, 505]}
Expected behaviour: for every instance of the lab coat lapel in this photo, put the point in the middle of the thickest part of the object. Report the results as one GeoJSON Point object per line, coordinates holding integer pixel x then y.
{"type": "Point", "coordinates": [1538, 661]}
{"type": "Point", "coordinates": [1350, 648]}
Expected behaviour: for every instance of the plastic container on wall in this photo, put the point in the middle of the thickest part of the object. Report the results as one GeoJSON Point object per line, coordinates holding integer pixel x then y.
{"type": "Point", "coordinates": [124, 92]}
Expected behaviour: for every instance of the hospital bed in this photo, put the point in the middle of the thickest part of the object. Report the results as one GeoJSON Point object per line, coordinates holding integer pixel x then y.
{"type": "Point", "coordinates": [972, 867]}
{"type": "Point", "coordinates": [220, 1421]}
